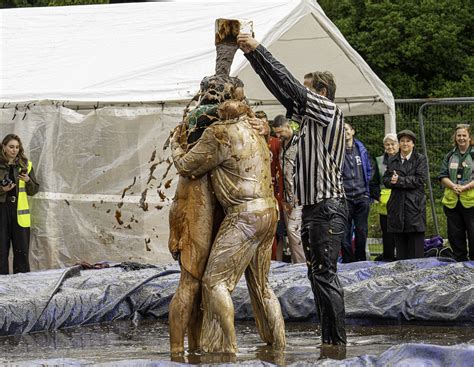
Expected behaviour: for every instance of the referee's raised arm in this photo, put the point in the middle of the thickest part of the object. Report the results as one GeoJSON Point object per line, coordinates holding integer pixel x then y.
{"type": "Point", "coordinates": [276, 77]}
{"type": "Point", "coordinates": [296, 98]}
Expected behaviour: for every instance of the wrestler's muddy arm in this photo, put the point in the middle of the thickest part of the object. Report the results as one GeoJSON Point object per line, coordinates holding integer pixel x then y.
{"type": "Point", "coordinates": [202, 158]}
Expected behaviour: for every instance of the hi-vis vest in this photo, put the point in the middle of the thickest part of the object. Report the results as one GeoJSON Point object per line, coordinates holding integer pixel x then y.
{"type": "Point", "coordinates": [23, 210]}
{"type": "Point", "coordinates": [384, 192]}
{"type": "Point", "coordinates": [450, 198]}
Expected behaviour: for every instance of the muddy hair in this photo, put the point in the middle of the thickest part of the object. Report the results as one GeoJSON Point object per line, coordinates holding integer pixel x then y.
{"type": "Point", "coordinates": [325, 80]}
{"type": "Point", "coordinates": [20, 159]}
{"type": "Point", "coordinates": [223, 88]}
{"type": "Point", "coordinates": [466, 127]}
{"type": "Point", "coordinates": [232, 109]}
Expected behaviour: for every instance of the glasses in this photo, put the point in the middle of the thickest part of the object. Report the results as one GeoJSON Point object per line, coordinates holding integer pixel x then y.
{"type": "Point", "coordinates": [463, 126]}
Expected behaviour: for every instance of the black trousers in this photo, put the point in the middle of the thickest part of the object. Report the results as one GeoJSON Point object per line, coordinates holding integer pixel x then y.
{"type": "Point", "coordinates": [388, 240]}
{"type": "Point", "coordinates": [322, 234]}
{"type": "Point", "coordinates": [18, 237]}
{"type": "Point", "coordinates": [460, 228]}
{"type": "Point", "coordinates": [357, 219]}
{"type": "Point", "coordinates": [409, 245]}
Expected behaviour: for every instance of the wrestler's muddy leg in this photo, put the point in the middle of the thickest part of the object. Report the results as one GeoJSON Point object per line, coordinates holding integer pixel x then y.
{"type": "Point", "coordinates": [181, 309]}
{"type": "Point", "coordinates": [230, 249]}
{"type": "Point", "coordinates": [218, 331]}
{"type": "Point", "coordinates": [239, 237]}
{"type": "Point", "coordinates": [266, 307]}
{"type": "Point", "coordinates": [195, 325]}
{"type": "Point", "coordinates": [191, 231]}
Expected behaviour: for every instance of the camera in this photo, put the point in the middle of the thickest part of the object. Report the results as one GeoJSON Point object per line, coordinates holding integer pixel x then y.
{"type": "Point", "coordinates": [6, 181]}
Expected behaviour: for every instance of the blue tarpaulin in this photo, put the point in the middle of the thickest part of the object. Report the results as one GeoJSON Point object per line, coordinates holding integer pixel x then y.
{"type": "Point", "coordinates": [404, 355]}
{"type": "Point", "coordinates": [411, 290]}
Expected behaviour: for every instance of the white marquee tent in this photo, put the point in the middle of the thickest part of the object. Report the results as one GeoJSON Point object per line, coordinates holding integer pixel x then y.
{"type": "Point", "coordinates": [94, 90]}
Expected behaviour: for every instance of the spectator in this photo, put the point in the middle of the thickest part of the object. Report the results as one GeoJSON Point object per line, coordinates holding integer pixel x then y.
{"type": "Point", "coordinates": [277, 181]}
{"type": "Point", "coordinates": [291, 210]}
{"type": "Point", "coordinates": [18, 181]}
{"type": "Point", "coordinates": [406, 209]}
{"type": "Point", "coordinates": [356, 176]}
{"type": "Point", "coordinates": [381, 193]}
{"type": "Point", "coordinates": [457, 177]}
{"type": "Point", "coordinates": [318, 178]}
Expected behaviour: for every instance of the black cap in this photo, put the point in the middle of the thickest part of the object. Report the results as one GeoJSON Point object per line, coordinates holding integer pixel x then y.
{"type": "Point", "coordinates": [408, 133]}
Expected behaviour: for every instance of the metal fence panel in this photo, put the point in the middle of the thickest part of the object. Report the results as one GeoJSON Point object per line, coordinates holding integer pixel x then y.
{"type": "Point", "coordinates": [440, 118]}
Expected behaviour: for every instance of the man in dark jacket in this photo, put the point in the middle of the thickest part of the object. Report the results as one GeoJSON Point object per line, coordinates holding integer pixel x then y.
{"type": "Point", "coordinates": [356, 176]}
{"type": "Point", "coordinates": [406, 209]}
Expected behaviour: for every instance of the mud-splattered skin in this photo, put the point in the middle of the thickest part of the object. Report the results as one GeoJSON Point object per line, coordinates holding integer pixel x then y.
{"type": "Point", "coordinates": [224, 57]}
{"type": "Point", "coordinates": [238, 160]}
{"type": "Point", "coordinates": [195, 215]}
{"type": "Point", "coordinates": [191, 220]}
{"type": "Point", "coordinates": [238, 157]}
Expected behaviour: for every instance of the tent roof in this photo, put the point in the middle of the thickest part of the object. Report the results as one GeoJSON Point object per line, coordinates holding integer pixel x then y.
{"type": "Point", "coordinates": [159, 51]}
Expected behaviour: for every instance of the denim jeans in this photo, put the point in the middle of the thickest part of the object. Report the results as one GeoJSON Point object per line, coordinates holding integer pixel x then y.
{"type": "Point", "coordinates": [323, 228]}
{"type": "Point", "coordinates": [358, 215]}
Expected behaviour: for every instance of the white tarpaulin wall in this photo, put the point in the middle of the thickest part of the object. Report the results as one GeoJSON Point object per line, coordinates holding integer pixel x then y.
{"type": "Point", "coordinates": [133, 53]}
{"type": "Point", "coordinates": [83, 164]}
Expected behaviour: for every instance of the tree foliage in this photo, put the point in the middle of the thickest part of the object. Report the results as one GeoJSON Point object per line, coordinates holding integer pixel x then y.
{"type": "Point", "coordinates": [35, 3]}
{"type": "Point", "coordinates": [419, 48]}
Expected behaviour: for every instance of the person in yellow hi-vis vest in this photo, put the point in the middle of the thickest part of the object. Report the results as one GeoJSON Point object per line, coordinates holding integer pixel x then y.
{"type": "Point", "coordinates": [17, 181]}
{"type": "Point", "coordinates": [457, 176]}
{"type": "Point", "coordinates": [379, 192]}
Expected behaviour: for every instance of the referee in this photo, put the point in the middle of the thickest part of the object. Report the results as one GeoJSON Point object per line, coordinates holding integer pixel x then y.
{"type": "Point", "coordinates": [318, 178]}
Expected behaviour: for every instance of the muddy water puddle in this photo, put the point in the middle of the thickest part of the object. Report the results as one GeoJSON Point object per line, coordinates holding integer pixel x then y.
{"type": "Point", "coordinates": [120, 341]}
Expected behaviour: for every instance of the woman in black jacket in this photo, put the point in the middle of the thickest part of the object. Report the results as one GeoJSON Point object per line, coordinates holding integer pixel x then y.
{"type": "Point", "coordinates": [406, 209]}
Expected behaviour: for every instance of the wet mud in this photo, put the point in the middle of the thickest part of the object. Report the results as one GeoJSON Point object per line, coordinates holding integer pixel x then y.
{"type": "Point", "coordinates": [149, 340]}
{"type": "Point", "coordinates": [224, 56]}
{"type": "Point", "coordinates": [143, 204]}
{"type": "Point", "coordinates": [129, 187]}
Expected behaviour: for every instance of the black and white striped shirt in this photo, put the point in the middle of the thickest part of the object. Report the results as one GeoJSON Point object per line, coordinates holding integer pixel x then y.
{"type": "Point", "coordinates": [321, 142]}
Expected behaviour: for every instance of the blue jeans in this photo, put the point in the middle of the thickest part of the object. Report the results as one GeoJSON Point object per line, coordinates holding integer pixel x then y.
{"type": "Point", "coordinates": [357, 220]}
{"type": "Point", "coordinates": [322, 233]}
